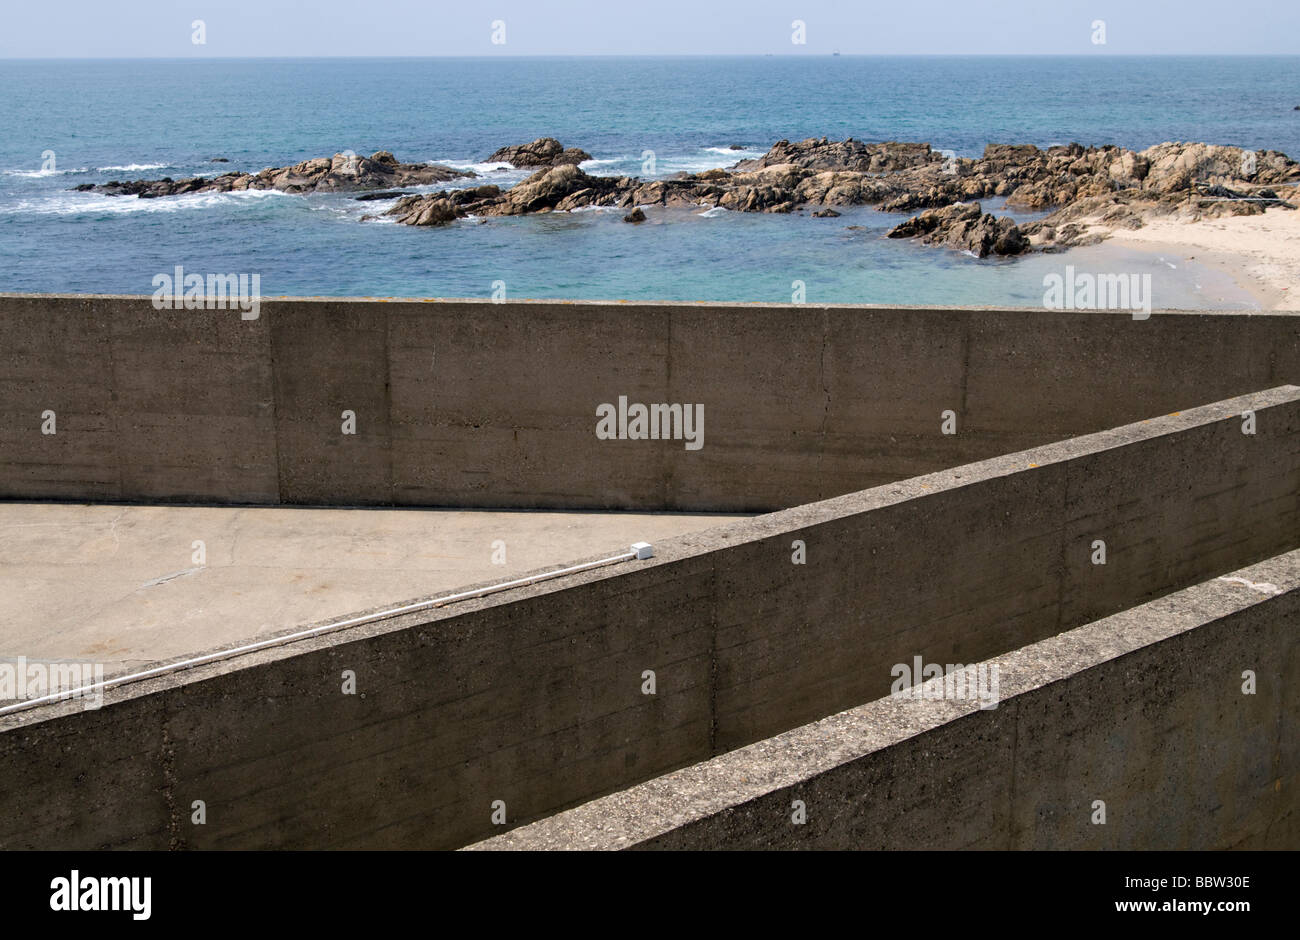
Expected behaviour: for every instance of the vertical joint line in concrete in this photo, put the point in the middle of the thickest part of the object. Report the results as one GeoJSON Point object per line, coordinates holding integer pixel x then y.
{"type": "Point", "coordinates": [388, 400]}
{"type": "Point", "coordinates": [115, 415]}
{"type": "Point", "coordinates": [666, 473]}
{"type": "Point", "coordinates": [167, 762]}
{"type": "Point", "coordinates": [713, 657]}
{"type": "Point", "coordinates": [826, 409]}
{"type": "Point", "coordinates": [1013, 830]}
{"type": "Point", "coordinates": [269, 318]}
{"type": "Point", "coordinates": [1062, 558]}
{"type": "Point", "coordinates": [965, 364]}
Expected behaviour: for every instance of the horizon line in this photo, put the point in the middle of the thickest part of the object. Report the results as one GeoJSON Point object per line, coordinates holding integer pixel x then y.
{"type": "Point", "coordinates": [671, 55]}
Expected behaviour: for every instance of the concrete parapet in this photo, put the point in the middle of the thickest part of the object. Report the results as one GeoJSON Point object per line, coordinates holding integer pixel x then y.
{"type": "Point", "coordinates": [536, 697]}
{"type": "Point", "coordinates": [1136, 731]}
{"type": "Point", "coordinates": [477, 404]}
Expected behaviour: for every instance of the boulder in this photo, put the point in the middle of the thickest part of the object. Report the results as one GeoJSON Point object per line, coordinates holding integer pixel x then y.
{"type": "Point", "coordinates": [818, 153]}
{"type": "Point", "coordinates": [435, 212]}
{"type": "Point", "coordinates": [542, 152]}
{"type": "Point", "coordinates": [966, 227]}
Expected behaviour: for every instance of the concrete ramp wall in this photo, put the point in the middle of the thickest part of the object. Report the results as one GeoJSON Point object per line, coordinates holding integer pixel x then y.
{"type": "Point", "coordinates": [1138, 731]}
{"type": "Point", "coordinates": [467, 403]}
{"type": "Point", "coordinates": [536, 697]}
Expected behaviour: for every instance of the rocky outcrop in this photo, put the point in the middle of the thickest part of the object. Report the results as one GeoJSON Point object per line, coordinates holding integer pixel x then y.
{"type": "Point", "coordinates": [636, 215]}
{"type": "Point", "coordinates": [556, 188]}
{"type": "Point", "coordinates": [339, 173]}
{"type": "Point", "coordinates": [1084, 191]}
{"type": "Point", "coordinates": [1088, 191]}
{"type": "Point", "coordinates": [966, 227]}
{"type": "Point", "coordinates": [818, 153]}
{"type": "Point", "coordinates": [542, 152]}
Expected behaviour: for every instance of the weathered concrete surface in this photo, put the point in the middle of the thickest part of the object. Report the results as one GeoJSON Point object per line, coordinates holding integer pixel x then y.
{"type": "Point", "coordinates": [471, 403]}
{"type": "Point", "coordinates": [534, 697]}
{"type": "Point", "coordinates": [120, 586]}
{"type": "Point", "coordinates": [1143, 710]}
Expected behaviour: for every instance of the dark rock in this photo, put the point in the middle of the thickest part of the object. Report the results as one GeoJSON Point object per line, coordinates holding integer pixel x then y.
{"type": "Point", "coordinates": [826, 214]}
{"type": "Point", "coordinates": [928, 222]}
{"type": "Point", "coordinates": [371, 197]}
{"type": "Point", "coordinates": [964, 226]}
{"type": "Point", "coordinates": [218, 160]}
{"type": "Point", "coordinates": [428, 211]}
{"type": "Point", "coordinates": [340, 173]}
{"type": "Point", "coordinates": [557, 188]}
{"type": "Point", "coordinates": [818, 153]}
{"type": "Point", "coordinates": [542, 152]}
{"type": "Point", "coordinates": [735, 147]}
{"type": "Point", "coordinates": [636, 215]}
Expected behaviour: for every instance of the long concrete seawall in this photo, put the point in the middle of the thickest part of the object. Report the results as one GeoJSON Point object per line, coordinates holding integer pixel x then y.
{"type": "Point", "coordinates": [537, 697]}
{"type": "Point", "coordinates": [1173, 725]}
{"type": "Point", "coordinates": [465, 403]}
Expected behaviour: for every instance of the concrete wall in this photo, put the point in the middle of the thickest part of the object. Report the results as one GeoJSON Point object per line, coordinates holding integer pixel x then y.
{"type": "Point", "coordinates": [534, 696]}
{"type": "Point", "coordinates": [1143, 711]}
{"type": "Point", "coordinates": [470, 403]}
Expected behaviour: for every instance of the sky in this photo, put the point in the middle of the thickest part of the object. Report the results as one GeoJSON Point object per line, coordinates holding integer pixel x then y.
{"type": "Point", "coordinates": [238, 28]}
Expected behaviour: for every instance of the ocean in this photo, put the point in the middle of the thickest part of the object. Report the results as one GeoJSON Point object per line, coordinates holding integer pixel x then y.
{"type": "Point", "coordinates": [144, 119]}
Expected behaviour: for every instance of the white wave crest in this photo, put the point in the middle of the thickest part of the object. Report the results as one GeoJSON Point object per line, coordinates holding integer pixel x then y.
{"type": "Point", "coordinates": [497, 167]}
{"type": "Point", "coordinates": [132, 167]}
{"type": "Point", "coordinates": [73, 204]}
{"type": "Point", "coordinates": [39, 174]}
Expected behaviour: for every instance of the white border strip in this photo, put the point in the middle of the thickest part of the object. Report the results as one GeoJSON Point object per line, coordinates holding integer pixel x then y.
{"type": "Point", "coordinates": [638, 550]}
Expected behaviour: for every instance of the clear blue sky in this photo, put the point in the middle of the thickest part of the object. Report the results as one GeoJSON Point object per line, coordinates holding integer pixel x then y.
{"type": "Point", "coordinates": [162, 28]}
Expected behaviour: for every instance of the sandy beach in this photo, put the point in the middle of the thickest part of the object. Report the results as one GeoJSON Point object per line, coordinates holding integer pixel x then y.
{"type": "Point", "coordinates": [1260, 252]}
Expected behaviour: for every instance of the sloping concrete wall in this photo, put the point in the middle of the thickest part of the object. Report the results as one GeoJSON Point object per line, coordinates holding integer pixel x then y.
{"type": "Point", "coordinates": [470, 403]}
{"type": "Point", "coordinates": [535, 696]}
{"type": "Point", "coordinates": [1147, 712]}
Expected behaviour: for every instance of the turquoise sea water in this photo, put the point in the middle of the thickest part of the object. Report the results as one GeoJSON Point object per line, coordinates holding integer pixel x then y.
{"type": "Point", "coordinates": [119, 119]}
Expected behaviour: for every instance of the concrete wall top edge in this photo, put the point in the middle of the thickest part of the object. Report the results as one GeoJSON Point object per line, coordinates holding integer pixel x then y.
{"type": "Point", "coordinates": [648, 305]}
{"type": "Point", "coordinates": [652, 808]}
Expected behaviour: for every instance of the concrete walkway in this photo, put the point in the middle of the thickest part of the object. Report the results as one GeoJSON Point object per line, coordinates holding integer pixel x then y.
{"type": "Point", "coordinates": [128, 585]}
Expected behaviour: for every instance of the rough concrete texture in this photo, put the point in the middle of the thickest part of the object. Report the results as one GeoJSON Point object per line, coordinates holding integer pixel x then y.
{"type": "Point", "coordinates": [1143, 710]}
{"type": "Point", "coordinates": [120, 586]}
{"type": "Point", "coordinates": [534, 696]}
{"type": "Point", "coordinates": [467, 403]}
